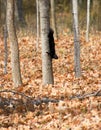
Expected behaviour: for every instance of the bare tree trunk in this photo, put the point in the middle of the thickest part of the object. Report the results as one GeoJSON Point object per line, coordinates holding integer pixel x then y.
{"type": "Point", "coordinates": [46, 59]}
{"type": "Point", "coordinates": [16, 74]}
{"type": "Point", "coordinates": [16, 11]}
{"type": "Point", "coordinates": [19, 14]}
{"type": "Point", "coordinates": [38, 23]}
{"type": "Point", "coordinates": [80, 2]}
{"type": "Point", "coordinates": [95, 11]}
{"type": "Point", "coordinates": [76, 39]}
{"type": "Point", "coordinates": [99, 16]}
{"type": "Point", "coordinates": [5, 49]}
{"type": "Point", "coordinates": [53, 18]}
{"type": "Point", "coordinates": [2, 11]}
{"type": "Point", "coordinates": [88, 20]}
{"type": "Point", "coordinates": [5, 40]}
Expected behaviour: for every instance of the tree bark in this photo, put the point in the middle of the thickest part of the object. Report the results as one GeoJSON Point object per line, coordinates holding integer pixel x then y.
{"type": "Point", "coordinates": [88, 20]}
{"type": "Point", "coordinates": [38, 23]}
{"type": "Point", "coordinates": [15, 63]}
{"type": "Point", "coordinates": [19, 14]}
{"type": "Point", "coordinates": [46, 59]}
{"type": "Point", "coordinates": [5, 40]}
{"type": "Point", "coordinates": [99, 16]}
{"type": "Point", "coordinates": [76, 39]}
{"type": "Point", "coordinates": [53, 18]}
{"type": "Point", "coordinates": [2, 11]}
{"type": "Point", "coordinates": [5, 48]}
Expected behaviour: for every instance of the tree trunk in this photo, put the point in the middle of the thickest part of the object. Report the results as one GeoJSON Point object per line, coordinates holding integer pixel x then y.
{"type": "Point", "coordinates": [38, 23]}
{"type": "Point", "coordinates": [46, 59]}
{"type": "Point", "coordinates": [5, 48]}
{"type": "Point", "coordinates": [88, 20]}
{"type": "Point", "coordinates": [16, 74]}
{"type": "Point", "coordinates": [95, 12]}
{"type": "Point", "coordinates": [19, 15]}
{"type": "Point", "coordinates": [99, 16]}
{"type": "Point", "coordinates": [53, 18]}
{"type": "Point", "coordinates": [2, 11]}
{"type": "Point", "coordinates": [76, 39]}
{"type": "Point", "coordinates": [5, 40]}
{"type": "Point", "coordinates": [16, 12]}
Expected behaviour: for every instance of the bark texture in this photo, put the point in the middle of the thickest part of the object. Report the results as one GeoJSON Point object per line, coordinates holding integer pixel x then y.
{"type": "Point", "coordinates": [88, 20]}
{"type": "Point", "coordinates": [53, 18]}
{"type": "Point", "coordinates": [15, 63]}
{"type": "Point", "coordinates": [76, 39]}
{"type": "Point", "coordinates": [46, 59]}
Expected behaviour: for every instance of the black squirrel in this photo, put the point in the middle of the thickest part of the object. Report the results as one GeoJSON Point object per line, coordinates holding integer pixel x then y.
{"type": "Point", "coordinates": [52, 52]}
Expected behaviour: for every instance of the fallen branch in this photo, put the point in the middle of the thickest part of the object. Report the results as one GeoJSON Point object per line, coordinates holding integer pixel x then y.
{"type": "Point", "coordinates": [29, 103]}
{"type": "Point", "coordinates": [98, 93]}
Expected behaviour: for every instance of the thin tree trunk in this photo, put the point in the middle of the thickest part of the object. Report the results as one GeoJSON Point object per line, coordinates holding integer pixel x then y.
{"type": "Point", "coordinates": [15, 63]}
{"type": "Point", "coordinates": [21, 19]}
{"type": "Point", "coordinates": [53, 18]}
{"type": "Point", "coordinates": [88, 20]}
{"type": "Point", "coordinates": [95, 11]}
{"type": "Point", "coordinates": [99, 16]}
{"type": "Point", "coordinates": [2, 11]}
{"type": "Point", "coordinates": [46, 59]}
{"type": "Point", "coordinates": [16, 12]}
{"type": "Point", "coordinates": [76, 39]}
{"type": "Point", "coordinates": [5, 49]}
{"type": "Point", "coordinates": [38, 23]}
{"type": "Point", "coordinates": [5, 40]}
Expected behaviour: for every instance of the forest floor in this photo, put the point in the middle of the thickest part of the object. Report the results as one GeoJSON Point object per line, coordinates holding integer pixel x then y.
{"type": "Point", "coordinates": [71, 112]}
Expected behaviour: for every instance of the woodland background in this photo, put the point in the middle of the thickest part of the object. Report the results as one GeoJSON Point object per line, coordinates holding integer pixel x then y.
{"type": "Point", "coordinates": [63, 14]}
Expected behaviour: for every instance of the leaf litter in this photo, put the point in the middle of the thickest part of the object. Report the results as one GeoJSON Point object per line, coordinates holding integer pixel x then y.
{"type": "Point", "coordinates": [68, 113]}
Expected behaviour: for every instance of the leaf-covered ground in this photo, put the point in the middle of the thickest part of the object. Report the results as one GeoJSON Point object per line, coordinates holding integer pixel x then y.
{"type": "Point", "coordinates": [68, 114]}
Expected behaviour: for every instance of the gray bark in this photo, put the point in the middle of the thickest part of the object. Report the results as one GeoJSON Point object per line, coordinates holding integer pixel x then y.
{"type": "Point", "coordinates": [5, 40]}
{"type": "Point", "coordinates": [5, 49]}
{"type": "Point", "coordinates": [88, 20]}
{"type": "Point", "coordinates": [76, 39]}
{"type": "Point", "coordinates": [15, 63]}
{"type": "Point", "coordinates": [53, 18]}
{"type": "Point", "coordinates": [19, 14]}
{"type": "Point", "coordinates": [38, 23]}
{"type": "Point", "coordinates": [46, 59]}
{"type": "Point", "coordinates": [2, 11]}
